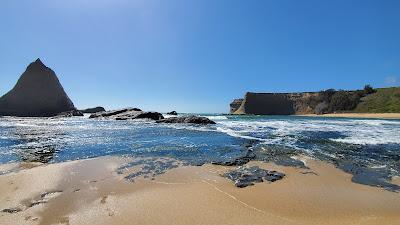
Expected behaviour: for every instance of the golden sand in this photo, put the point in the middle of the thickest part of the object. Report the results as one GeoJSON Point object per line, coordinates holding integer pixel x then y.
{"type": "Point", "coordinates": [359, 115]}
{"type": "Point", "coordinates": [90, 192]}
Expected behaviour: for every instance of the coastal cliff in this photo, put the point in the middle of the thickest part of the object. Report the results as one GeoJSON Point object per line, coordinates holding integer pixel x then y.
{"type": "Point", "coordinates": [274, 103]}
{"type": "Point", "coordinates": [368, 100]}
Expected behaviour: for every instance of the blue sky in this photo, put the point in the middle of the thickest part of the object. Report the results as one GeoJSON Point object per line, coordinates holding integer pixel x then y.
{"type": "Point", "coordinates": [196, 56]}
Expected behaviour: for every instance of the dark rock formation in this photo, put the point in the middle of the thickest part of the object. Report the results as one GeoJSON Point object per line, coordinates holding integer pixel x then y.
{"type": "Point", "coordinates": [239, 161]}
{"type": "Point", "coordinates": [112, 112]}
{"type": "Point", "coordinates": [94, 110]}
{"type": "Point", "coordinates": [247, 176]}
{"type": "Point", "coordinates": [38, 93]}
{"type": "Point", "coordinates": [139, 115]}
{"type": "Point", "coordinates": [172, 113]}
{"type": "Point", "coordinates": [187, 119]}
{"type": "Point", "coordinates": [128, 114]}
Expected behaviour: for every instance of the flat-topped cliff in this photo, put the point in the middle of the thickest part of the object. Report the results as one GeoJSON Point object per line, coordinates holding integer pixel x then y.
{"type": "Point", "coordinates": [38, 93]}
{"type": "Point", "coordinates": [273, 103]}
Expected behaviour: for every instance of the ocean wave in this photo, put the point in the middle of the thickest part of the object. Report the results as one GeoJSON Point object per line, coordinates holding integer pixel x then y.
{"type": "Point", "coordinates": [354, 131]}
{"type": "Point", "coordinates": [217, 117]}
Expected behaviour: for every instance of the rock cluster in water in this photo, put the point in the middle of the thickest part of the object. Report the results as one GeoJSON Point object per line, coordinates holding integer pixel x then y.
{"type": "Point", "coordinates": [93, 110]}
{"type": "Point", "coordinates": [187, 119]}
{"type": "Point", "coordinates": [247, 176]}
{"type": "Point", "coordinates": [135, 113]}
{"type": "Point", "coordinates": [128, 114]}
{"type": "Point", "coordinates": [38, 93]}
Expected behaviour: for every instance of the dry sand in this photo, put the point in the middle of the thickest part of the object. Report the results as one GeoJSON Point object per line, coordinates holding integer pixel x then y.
{"type": "Point", "coordinates": [359, 115]}
{"type": "Point", "coordinates": [91, 192]}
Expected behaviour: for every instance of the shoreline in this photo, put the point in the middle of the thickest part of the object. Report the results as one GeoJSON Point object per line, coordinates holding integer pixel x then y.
{"type": "Point", "coordinates": [357, 115]}
{"type": "Point", "coordinates": [92, 192]}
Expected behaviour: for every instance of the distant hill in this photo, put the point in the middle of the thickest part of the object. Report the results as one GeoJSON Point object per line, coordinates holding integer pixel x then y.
{"type": "Point", "coordinates": [384, 100]}
{"type": "Point", "coordinates": [368, 100]}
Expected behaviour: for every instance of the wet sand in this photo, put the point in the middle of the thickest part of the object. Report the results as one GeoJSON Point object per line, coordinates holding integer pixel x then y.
{"type": "Point", "coordinates": [359, 115]}
{"type": "Point", "coordinates": [91, 192]}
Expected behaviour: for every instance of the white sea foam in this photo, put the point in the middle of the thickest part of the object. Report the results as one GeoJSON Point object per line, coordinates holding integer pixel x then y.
{"type": "Point", "coordinates": [217, 117]}
{"type": "Point", "coordinates": [283, 130]}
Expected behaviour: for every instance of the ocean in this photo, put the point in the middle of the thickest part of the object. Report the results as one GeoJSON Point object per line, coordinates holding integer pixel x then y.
{"type": "Point", "coordinates": [367, 148]}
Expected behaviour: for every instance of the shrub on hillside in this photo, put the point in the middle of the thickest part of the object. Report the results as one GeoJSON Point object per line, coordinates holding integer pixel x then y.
{"type": "Point", "coordinates": [368, 90]}
{"type": "Point", "coordinates": [343, 101]}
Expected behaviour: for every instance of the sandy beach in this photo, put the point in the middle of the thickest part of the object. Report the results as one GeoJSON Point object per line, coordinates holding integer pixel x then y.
{"type": "Point", "coordinates": [359, 115]}
{"type": "Point", "coordinates": [91, 192]}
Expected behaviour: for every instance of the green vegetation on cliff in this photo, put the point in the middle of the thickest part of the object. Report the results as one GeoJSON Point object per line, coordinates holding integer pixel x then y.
{"type": "Point", "coordinates": [384, 100]}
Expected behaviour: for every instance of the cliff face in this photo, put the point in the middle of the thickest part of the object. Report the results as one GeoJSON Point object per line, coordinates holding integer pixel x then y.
{"type": "Point", "coordinates": [38, 93]}
{"type": "Point", "coordinates": [235, 105]}
{"type": "Point", "coordinates": [275, 103]}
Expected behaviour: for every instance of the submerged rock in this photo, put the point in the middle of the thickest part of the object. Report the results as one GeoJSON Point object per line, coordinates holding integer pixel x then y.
{"type": "Point", "coordinates": [187, 119]}
{"type": "Point", "coordinates": [41, 154]}
{"type": "Point", "coordinates": [38, 93]}
{"type": "Point", "coordinates": [172, 113]}
{"type": "Point", "coordinates": [128, 114]}
{"type": "Point", "coordinates": [239, 161]}
{"type": "Point", "coordinates": [247, 176]}
{"type": "Point", "coordinates": [94, 110]}
{"type": "Point", "coordinates": [69, 114]}
{"type": "Point", "coordinates": [149, 168]}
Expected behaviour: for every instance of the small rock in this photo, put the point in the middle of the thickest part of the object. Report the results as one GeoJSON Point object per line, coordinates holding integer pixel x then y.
{"type": "Point", "coordinates": [12, 210]}
{"type": "Point", "coordinates": [172, 113]}
{"type": "Point", "coordinates": [247, 176]}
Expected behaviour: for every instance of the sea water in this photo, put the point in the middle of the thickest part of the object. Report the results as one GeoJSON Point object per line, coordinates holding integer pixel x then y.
{"type": "Point", "coordinates": [368, 148]}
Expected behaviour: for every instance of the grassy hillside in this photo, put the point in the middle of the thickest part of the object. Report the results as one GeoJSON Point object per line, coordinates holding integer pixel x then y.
{"type": "Point", "coordinates": [384, 100]}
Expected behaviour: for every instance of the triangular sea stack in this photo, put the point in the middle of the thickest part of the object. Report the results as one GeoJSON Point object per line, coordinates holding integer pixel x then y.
{"type": "Point", "coordinates": [38, 93]}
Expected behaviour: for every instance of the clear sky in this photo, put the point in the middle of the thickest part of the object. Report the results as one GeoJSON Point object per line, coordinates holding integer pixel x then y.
{"type": "Point", "coordinates": [198, 55]}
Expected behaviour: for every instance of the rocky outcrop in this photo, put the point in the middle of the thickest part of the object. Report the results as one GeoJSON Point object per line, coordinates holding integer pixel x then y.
{"type": "Point", "coordinates": [38, 93]}
{"type": "Point", "coordinates": [187, 119]}
{"type": "Point", "coordinates": [235, 105]}
{"type": "Point", "coordinates": [94, 110]}
{"type": "Point", "coordinates": [174, 113]}
{"type": "Point", "coordinates": [128, 114]}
